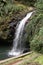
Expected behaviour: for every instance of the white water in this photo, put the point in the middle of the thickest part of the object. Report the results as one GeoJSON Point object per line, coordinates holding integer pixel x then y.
{"type": "Point", "coordinates": [17, 45]}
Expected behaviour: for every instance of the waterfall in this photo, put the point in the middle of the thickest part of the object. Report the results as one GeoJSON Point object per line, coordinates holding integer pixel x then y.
{"type": "Point", "coordinates": [17, 44]}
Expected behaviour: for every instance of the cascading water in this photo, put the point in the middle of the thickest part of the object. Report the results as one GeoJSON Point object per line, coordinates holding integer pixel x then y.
{"type": "Point", "coordinates": [17, 45]}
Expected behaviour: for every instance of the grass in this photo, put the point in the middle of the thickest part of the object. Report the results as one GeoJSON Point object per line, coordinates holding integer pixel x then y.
{"type": "Point", "coordinates": [34, 57]}
{"type": "Point", "coordinates": [36, 60]}
{"type": "Point", "coordinates": [40, 59]}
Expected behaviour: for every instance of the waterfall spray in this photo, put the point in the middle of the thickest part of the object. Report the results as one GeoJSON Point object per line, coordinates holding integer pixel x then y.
{"type": "Point", "coordinates": [17, 45]}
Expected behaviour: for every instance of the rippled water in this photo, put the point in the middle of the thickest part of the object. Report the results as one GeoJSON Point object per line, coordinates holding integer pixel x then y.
{"type": "Point", "coordinates": [4, 52]}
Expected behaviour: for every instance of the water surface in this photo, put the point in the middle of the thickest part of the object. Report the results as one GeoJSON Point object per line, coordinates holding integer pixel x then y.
{"type": "Point", "coordinates": [4, 52]}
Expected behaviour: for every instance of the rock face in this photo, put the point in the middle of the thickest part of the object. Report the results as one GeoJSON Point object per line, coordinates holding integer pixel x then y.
{"type": "Point", "coordinates": [8, 26]}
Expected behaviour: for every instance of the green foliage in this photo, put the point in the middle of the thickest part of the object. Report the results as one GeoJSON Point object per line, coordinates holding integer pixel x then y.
{"type": "Point", "coordinates": [35, 32]}
{"type": "Point", "coordinates": [37, 42]}
{"type": "Point", "coordinates": [34, 28]}
{"type": "Point", "coordinates": [28, 2]}
{"type": "Point", "coordinates": [34, 25]}
{"type": "Point", "coordinates": [8, 7]}
{"type": "Point", "coordinates": [39, 4]}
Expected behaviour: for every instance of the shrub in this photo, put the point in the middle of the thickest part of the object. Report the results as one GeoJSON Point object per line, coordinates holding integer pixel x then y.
{"type": "Point", "coordinates": [7, 7]}
{"type": "Point", "coordinates": [37, 43]}
{"type": "Point", "coordinates": [35, 28]}
{"type": "Point", "coordinates": [39, 4]}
